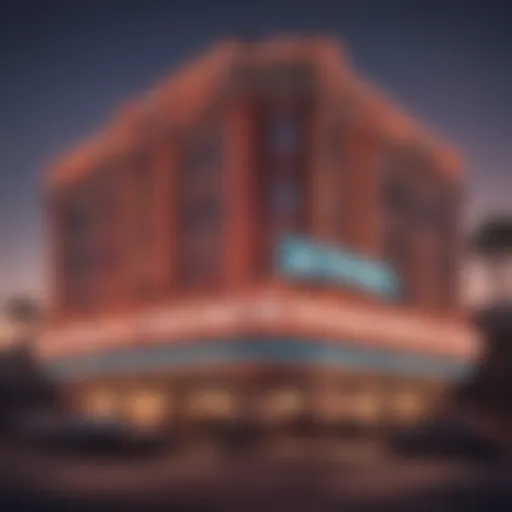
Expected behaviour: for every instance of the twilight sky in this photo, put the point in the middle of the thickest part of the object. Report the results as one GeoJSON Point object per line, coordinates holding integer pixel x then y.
{"type": "Point", "coordinates": [65, 66]}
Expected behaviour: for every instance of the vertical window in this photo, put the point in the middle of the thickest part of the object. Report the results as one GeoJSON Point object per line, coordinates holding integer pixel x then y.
{"type": "Point", "coordinates": [75, 230]}
{"type": "Point", "coordinates": [285, 197]}
{"type": "Point", "coordinates": [419, 229]}
{"type": "Point", "coordinates": [397, 227]}
{"type": "Point", "coordinates": [448, 250]}
{"type": "Point", "coordinates": [200, 212]}
{"type": "Point", "coordinates": [107, 218]}
{"type": "Point", "coordinates": [398, 252]}
{"type": "Point", "coordinates": [88, 213]}
{"type": "Point", "coordinates": [143, 223]}
{"type": "Point", "coordinates": [334, 191]}
{"type": "Point", "coordinates": [284, 137]}
{"type": "Point", "coordinates": [283, 172]}
{"type": "Point", "coordinates": [79, 248]}
{"type": "Point", "coordinates": [435, 216]}
{"type": "Point", "coordinates": [281, 178]}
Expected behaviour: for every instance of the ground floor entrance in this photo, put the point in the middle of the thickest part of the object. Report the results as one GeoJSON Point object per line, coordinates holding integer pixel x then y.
{"type": "Point", "coordinates": [273, 400]}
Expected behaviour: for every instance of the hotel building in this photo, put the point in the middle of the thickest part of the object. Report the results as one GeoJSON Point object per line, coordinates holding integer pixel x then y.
{"type": "Point", "coordinates": [263, 234]}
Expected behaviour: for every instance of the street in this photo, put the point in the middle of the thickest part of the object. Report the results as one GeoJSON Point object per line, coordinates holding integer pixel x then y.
{"type": "Point", "coordinates": [298, 478]}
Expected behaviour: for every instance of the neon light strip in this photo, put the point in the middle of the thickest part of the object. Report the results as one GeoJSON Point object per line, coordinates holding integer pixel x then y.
{"type": "Point", "coordinates": [287, 351]}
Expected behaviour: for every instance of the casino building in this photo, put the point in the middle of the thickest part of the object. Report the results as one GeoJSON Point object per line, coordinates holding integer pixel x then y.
{"type": "Point", "coordinates": [264, 235]}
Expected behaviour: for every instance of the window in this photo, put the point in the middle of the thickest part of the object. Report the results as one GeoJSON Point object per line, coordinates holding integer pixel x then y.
{"type": "Point", "coordinates": [88, 217]}
{"type": "Point", "coordinates": [397, 196]}
{"type": "Point", "coordinates": [285, 165]}
{"type": "Point", "coordinates": [108, 217]}
{"type": "Point", "coordinates": [334, 180]}
{"type": "Point", "coordinates": [202, 215]}
{"type": "Point", "coordinates": [284, 136]}
{"type": "Point", "coordinates": [79, 248]}
{"type": "Point", "coordinates": [435, 216]}
{"type": "Point", "coordinates": [398, 253]}
{"type": "Point", "coordinates": [205, 157]}
{"type": "Point", "coordinates": [281, 178]}
{"type": "Point", "coordinates": [448, 250]}
{"type": "Point", "coordinates": [285, 197]}
{"type": "Point", "coordinates": [422, 243]}
{"type": "Point", "coordinates": [201, 211]}
{"type": "Point", "coordinates": [142, 243]}
{"type": "Point", "coordinates": [397, 201]}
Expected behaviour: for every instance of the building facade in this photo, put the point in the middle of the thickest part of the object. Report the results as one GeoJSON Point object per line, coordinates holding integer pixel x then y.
{"type": "Point", "coordinates": [262, 234]}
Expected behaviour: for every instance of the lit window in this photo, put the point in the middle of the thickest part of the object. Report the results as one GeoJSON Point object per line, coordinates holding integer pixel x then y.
{"type": "Point", "coordinates": [101, 404]}
{"type": "Point", "coordinates": [148, 408]}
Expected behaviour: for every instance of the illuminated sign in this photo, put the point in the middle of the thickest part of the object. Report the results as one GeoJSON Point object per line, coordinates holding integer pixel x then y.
{"type": "Point", "coordinates": [301, 259]}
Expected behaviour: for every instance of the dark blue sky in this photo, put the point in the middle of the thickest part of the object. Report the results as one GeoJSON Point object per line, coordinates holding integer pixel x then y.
{"type": "Point", "coordinates": [66, 65]}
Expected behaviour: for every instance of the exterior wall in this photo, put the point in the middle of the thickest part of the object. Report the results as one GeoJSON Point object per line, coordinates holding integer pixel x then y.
{"type": "Point", "coordinates": [240, 162]}
{"type": "Point", "coordinates": [349, 130]}
{"type": "Point", "coordinates": [357, 170]}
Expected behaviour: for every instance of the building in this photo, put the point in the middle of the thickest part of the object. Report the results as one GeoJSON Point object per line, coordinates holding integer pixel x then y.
{"type": "Point", "coordinates": [262, 234]}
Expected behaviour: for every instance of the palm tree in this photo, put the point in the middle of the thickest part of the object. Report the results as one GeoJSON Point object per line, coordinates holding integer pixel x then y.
{"type": "Point", "coordinates": [25, 314]}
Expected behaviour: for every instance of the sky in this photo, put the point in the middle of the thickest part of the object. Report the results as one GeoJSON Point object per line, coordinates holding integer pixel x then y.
{"type": "Point", "coordinates": [66, 66]}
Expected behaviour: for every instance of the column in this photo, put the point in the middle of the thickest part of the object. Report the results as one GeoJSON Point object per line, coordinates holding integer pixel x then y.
{"type": "Point", "coordinates": [364, 201]}
{"type": "Point", "coordinates": [239, 171]}
{"type": "Point", "coordinates": [165, 215]}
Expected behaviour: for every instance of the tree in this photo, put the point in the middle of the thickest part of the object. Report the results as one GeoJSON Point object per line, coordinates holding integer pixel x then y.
{"type": "Point", "coordinates": [493, 378]}
{"type": "Point", "coordinates": [25, 314]}
{"type": "Point", "coordinates": [22, 309]}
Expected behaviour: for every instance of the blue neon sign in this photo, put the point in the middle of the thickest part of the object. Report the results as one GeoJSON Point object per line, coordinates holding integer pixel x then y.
{"type": "Point", "coordinates": [302, 259]}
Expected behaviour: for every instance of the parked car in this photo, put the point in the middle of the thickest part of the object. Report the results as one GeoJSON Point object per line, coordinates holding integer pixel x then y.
{"type": "Point", "coordinates": [88, 435]}
{"type": "Point", "coordinates": [454, 438]}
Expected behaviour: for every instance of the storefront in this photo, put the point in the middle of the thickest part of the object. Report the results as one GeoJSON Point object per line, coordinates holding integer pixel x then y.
{"type": "Point", "coordinates": [369, 376]}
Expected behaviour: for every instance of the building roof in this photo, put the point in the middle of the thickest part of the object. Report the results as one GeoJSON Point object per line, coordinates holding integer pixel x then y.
{"type": "Point", "coordinates": [186, 91]}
